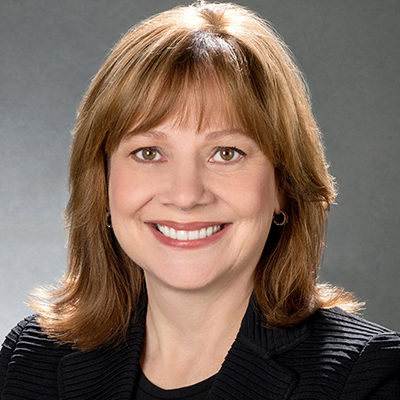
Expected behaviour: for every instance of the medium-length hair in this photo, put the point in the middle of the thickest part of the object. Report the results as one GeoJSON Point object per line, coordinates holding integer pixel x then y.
{"type": "Point", "coordinates": [150, 75]}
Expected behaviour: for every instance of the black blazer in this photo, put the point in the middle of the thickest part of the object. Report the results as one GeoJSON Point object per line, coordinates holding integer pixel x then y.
{"type": "Point", "coordinates": [332, 355]}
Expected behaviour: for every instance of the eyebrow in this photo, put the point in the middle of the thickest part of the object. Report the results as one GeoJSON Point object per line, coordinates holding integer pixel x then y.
{"type": "Point", "coordinates": [209, 135]}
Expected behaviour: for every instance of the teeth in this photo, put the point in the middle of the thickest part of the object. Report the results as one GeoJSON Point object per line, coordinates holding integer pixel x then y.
{"type": "Point", "coordinates": [203, 233]}
{"type": "Point", "coordinates": [172, 233]}
{"type": "Point", "coordinates": [181, 235]}
{"type": "Point", "coordinates": [188, 235]}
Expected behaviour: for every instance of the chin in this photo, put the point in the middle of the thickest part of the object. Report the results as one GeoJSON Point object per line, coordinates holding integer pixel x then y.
{"type": "Point", "coordinates": [188, 281]}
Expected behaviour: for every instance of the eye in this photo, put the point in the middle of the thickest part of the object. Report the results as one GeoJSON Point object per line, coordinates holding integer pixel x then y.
{"type": "Point", "coordinates": [147, 154]}
{"type": "Point", "coordinates": [227, 154]}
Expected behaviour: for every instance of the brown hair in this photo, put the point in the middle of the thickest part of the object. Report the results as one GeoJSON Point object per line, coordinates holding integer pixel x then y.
{"type": "Point", "coordinates": [146, 78]}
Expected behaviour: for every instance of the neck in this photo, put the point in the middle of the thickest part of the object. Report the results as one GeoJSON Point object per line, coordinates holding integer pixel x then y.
{"type": "Point", "coordinates": [190, 314]}
{"type": "Point", "coordinates": [183, 326]}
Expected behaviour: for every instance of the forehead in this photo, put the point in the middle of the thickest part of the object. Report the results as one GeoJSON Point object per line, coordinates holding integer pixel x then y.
{"type": "Point", "coordinates": [166, 131]}
{"type": "Point", "coordinates": [213, 131]}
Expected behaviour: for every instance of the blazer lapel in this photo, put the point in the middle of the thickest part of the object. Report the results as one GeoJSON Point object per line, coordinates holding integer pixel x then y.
{"type": "Point", "coordinates": [251, 370]}
{"type": "Point", "coordinates": [103, 374]}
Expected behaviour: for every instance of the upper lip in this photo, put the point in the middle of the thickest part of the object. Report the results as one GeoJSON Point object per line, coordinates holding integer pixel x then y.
{"type": "Point", "coordinates": [187, 226]}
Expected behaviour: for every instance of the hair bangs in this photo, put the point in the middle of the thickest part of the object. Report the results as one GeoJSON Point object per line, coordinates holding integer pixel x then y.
{"type": "Point", "coordinates": [203, 78]}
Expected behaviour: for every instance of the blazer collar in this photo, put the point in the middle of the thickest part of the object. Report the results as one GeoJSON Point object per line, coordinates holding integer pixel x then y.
{"type": "Point", "coordinates": [250, 371]}
{"type": "Point", "coordinates": [273, 341]}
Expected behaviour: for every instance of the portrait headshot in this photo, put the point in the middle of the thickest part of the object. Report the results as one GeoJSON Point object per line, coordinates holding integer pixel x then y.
{"type": "Point", "coordinates": [199, 200]}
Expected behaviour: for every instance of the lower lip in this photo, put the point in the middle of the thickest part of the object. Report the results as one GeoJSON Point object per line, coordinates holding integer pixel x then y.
{"type": "Point", "coordinates": [188, 244]}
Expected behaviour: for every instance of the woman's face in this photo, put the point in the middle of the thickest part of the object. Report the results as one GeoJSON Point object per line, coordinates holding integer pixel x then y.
{"type": "Point", "coordinates": [171, 188]}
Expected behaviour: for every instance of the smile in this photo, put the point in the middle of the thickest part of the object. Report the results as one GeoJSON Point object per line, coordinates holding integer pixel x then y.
{"type": "Point", "coordinates": [188, 235]}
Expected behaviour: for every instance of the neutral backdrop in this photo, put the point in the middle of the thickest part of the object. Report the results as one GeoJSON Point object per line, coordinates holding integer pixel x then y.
{"type": "Point", "coordinates": [348, 51]}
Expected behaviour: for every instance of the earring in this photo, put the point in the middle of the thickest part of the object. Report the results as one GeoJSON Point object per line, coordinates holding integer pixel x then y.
{"type": "Point", "coordinates": [108, 220]}
{"type": "Point", "coordinates": [281, 219]}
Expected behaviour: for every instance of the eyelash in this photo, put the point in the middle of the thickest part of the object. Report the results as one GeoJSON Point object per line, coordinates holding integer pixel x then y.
{"type": "Point", "coordinates": [217, 150]}
{"type": "Point", "coordinates": [240, 152]}
{"type": "Point", "coordinates": [135, 152]}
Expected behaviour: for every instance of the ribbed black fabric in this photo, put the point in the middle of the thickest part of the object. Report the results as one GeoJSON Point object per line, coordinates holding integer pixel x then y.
{"type": "Point", "coordinates": [331, 356]}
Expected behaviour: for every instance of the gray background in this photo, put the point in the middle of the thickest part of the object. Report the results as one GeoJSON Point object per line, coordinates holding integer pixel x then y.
{"type": "Point", "coordinates": [349, 53]}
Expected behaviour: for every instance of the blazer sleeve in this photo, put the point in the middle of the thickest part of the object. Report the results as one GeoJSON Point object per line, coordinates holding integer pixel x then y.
{"type": "Point", "coordinates": [8, 347]}
{"type": "Point", "coordinates": [376, 373]}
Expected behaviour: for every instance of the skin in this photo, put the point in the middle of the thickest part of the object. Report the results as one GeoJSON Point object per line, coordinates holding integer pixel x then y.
{"type": "Point", "coordinates": [197, 297]}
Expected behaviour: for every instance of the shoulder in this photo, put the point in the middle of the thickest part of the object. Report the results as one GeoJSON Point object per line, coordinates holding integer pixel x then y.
{"type": "Point", "coordinates": [13, 337]}
{"type": "Point", "coordinates": [9, 345]}
{"type": "Point", "coordinates": [338, 319]}
{"type": "Point", "coordinates": [366, 353]}
{"type": "Point", "coordinates": [8, 348]}
{"type": "Point", "coordinates": [351, 329]}
{"type": "Point", "coordinates": [355, 334]}
{"type": "Point", "coordinates": [28, 334]}
{"type": "Point", "coordinates": [29, 359]}
{"type": "Point", "coordinates": [350, 358]}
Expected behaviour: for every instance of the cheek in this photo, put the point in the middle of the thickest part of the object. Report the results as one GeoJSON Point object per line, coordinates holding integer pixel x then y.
{"type": "Point", "coordinates": [127, 190]}
{"type": "Point", "coordinates": [253, 193]}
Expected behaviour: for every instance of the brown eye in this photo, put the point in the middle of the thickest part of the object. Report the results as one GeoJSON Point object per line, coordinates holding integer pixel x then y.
{"type": "Point", "coordinates": [147, 154]}
{"type": "Point", "coordinates": [225, 154]}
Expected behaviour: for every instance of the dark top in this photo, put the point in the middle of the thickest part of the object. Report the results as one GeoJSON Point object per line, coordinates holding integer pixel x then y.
{"type": "Point", "coordinates": [148, 391]}
{"type": "Point", "coordinates": [331, 356]}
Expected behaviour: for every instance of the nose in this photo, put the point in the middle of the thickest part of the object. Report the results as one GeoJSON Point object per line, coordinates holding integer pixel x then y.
{"type": "Point", "coordinates": [187, 187]}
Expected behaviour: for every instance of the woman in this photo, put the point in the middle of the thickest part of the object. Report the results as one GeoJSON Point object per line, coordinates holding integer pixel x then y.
{"type": "Point", "coordinates": [199, 194]}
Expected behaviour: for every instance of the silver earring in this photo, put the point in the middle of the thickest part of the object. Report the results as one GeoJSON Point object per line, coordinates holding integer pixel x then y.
{"type": "Point", "coordinates": [281, 219]}
{"type": "Point", "coordinates": [108, 220]}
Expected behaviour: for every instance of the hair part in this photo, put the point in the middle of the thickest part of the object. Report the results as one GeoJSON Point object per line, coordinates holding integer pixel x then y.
{"type": "Point", "coordinates": [166, 66]}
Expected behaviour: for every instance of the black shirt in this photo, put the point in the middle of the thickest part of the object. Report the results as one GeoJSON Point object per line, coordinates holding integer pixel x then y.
{"type": "Point", "coordinates": [145, 390]}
